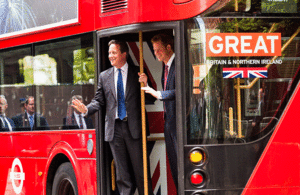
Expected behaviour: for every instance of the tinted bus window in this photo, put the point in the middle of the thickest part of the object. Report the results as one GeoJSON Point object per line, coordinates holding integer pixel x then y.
{"type": "Point", "coordinates": [39, 88]}
{"type": "Point", "coordinates": [238, 95]}
{"type": "Point", "coordinates": [11, 80]}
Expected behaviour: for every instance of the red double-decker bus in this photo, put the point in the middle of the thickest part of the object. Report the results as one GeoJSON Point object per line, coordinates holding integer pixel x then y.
{"type": "Point", "coordinates": [237, 94]}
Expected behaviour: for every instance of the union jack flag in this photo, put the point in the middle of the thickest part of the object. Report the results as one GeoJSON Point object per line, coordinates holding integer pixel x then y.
{"type": "Point", "coordinates": [245, 72]}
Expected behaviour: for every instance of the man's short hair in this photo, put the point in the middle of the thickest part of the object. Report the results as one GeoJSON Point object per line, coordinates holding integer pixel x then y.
{"type": "Point", "coordinates": [164, 39]}
{"type": "Point", "coordinates": [3, 97]}
{"type": "Point", "coordinates": [27, 99]}
{"type": "Point", "coordinates": [122, 44]}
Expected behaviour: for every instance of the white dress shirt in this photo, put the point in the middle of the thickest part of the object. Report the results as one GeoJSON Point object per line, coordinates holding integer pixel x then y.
{"type": "Point", "coordinates": [77, 120]}
{"type": "Point", "coordinates": [3, 117]}
{"type": "Point", "coordinates": [124, 71]}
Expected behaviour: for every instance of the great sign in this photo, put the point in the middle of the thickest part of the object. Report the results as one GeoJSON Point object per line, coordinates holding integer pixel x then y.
{"type": "Point", "coordinates": [243, 44]}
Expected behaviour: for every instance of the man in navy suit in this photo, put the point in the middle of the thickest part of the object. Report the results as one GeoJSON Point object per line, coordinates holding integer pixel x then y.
{"type": "Point", "coordinates": [6, 123]}
{"type": "Point", "coordinates": [75, 119]}
{"type": "Point", "coordinates": [30, 120]}
{"type": "Point", "coordinates": [119, 92]}
{"type": "Point", "coordinates": [163, 46]}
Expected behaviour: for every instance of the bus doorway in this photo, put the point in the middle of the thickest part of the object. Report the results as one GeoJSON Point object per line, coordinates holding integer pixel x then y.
{"type": "Point", "coordinates": [162, 182]}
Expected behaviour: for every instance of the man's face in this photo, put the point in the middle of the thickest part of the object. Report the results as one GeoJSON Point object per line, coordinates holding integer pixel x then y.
{"type": "Point", "coordinates": [3, 106]}
{"type": "Point", "coordinates": [30, 106]}
{"type": "Point", "coordinates": [115, 56]}
{"type": "Point", "coordinates": [161, 52]}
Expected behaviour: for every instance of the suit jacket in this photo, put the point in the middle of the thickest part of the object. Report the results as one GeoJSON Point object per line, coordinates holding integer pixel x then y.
{"type": "Point", "coordinates": [168, 96]}
{"type": "Point", "coordinates": [74, 125]}
{"type": "Point", "coordinates": [6, 128]}
{"type": "Point", "coordinates": [21, 122]}
{"type": "Point", "coordinates": [106, 96]}
{"type": "Point", "coordinates": [201, 111]}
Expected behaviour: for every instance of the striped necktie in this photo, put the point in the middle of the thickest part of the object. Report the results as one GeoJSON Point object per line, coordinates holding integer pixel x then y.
{"type": "Point", "coordinates": [166, 76]}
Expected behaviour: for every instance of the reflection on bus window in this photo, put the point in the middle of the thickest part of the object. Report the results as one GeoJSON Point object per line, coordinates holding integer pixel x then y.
{"type": "Point", "coordinates": [38, 70]}
{"type": "Point", "coordinates": [230, 110]}
{"type": "Point", "coordinates": [59, 70]}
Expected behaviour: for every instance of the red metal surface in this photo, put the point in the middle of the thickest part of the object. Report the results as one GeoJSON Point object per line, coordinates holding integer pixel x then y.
{"type": "Point", "coordinates": [90, 18]}
{"type": "Point", "coordinates": [36, 150]}
{"type": "Point", "coordinates": [277, 171]}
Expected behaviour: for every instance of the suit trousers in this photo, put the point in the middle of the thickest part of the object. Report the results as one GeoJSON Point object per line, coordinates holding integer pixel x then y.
{"type": "Point", "coordinates": [171, 147]}
{"type": "Point", "coordinates": [128, 155]}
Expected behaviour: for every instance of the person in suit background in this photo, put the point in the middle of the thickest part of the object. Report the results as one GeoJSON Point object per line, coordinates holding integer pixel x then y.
{"type": "Point", "coordinates": [119, 92]}
{"type": "Point", "coordinates": [6, 123]}
{"type": "Point", "coordinates": [201, 109]}
{"type": "Point", "coordinates": [75, 119]}
{"type": "Point", "coordinates": [30, 120]}
{"type": "Point", "coordinates": [219, 117]}
{"type": "Point", "coordinates": [163, 46]}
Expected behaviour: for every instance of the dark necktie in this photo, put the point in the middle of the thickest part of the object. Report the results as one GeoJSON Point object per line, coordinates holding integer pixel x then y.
{"type": "Point", "coordinates": [166, 76]}
{"type": "Point", "coordinates": [121, 98]}
{"type": "Point", "coordinates": [80, 122]}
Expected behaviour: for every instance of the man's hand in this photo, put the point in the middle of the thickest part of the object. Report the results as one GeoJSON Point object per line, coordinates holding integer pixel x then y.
{"type": "Point", "coordinates": [80, 107]}
{"type": "Point", "coordinates": [151, 91]}
{"type": "Point", "coordinates": [143, 78]}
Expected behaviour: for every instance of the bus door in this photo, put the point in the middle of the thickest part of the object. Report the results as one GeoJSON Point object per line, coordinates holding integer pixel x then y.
{"type": "Point", "coordinates": [162, 182]}
{"type": "Point", "coordinates": [232, 115]}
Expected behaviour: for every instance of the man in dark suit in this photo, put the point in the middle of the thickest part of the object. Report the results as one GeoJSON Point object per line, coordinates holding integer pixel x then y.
{"type": "Point", "coordinates": [30, 120]}
{"type": "Point", "coordinates": [119, 91]}
{"type": "Point", "coordinates": [6, 123]}
{"type": "Point", "coordinates": [75, 119]}
{"type": "Point", "coordinates": [201, 109]}
{"type": "Point", "coordinates": [163, 46]}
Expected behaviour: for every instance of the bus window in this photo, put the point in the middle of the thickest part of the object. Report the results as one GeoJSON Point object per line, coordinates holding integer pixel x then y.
{"type": "Point", "coordinates": [11, 80]}
{"type": "Point", "coordinates": [224, 106]}
{"type": "Point", "coordinates": [64, 70]}
{"type": "Point", "coordinates": [43, 85]}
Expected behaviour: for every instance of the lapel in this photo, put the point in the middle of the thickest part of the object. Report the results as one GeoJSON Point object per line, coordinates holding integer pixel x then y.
{"type": "Point", "coordinates": [171, 73]}
{"type": "Point", "coordinates": [25, 120]}
{"type": "Point", "coordinates": [111, 81]}
{"type": "Point", "coordinates": [130, 80]}
{"type": "Point", "coordinates": [73, 120]}
{"type": "Point", "coordinates": [162, 75]}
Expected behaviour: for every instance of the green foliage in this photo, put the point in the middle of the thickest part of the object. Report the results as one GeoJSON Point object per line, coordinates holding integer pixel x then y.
{"type": "Point", "coordinates": [244, 25]}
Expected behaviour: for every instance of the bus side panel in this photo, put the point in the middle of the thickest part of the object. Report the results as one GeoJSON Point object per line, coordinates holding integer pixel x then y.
{"type": "Point", "coordinates": [84, 168]}
{"type": "Point", "coordinates": [26, 165]}
{"type": "Point", "coordinates": [25, 177]}
{"type": "Point", "coordinates": [88, 176]}
{"type": "Point", "coordinates": [277, 171]}
{"type": "Point", "coordinates": [157, 10]}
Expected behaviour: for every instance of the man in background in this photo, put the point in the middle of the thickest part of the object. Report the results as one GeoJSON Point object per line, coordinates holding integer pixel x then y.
{"type": "Point", "coordinates": [6, 123]}
{"type": "Point", "coordinates": [30, 120]}
{"type": "Point", "coordinates": [76, 119]}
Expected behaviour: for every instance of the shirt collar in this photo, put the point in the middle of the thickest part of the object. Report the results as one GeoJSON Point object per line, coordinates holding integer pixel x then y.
{"type": "Point", "coordinates": [29, 114]}
{"type": "Point", "coordinates": [76, 114]}
{"type": "Point", "coordinates": [171, 60]}
{"type": "Point", "coordinates": [124, 68]}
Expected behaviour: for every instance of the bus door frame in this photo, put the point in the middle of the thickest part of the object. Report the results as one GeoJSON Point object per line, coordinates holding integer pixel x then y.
{"type": "Point", "coordinates": [177, 26]}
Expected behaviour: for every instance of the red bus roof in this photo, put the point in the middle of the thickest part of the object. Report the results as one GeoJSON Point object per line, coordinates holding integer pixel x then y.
{"type": "Point", "coordinates": [96, 15]}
